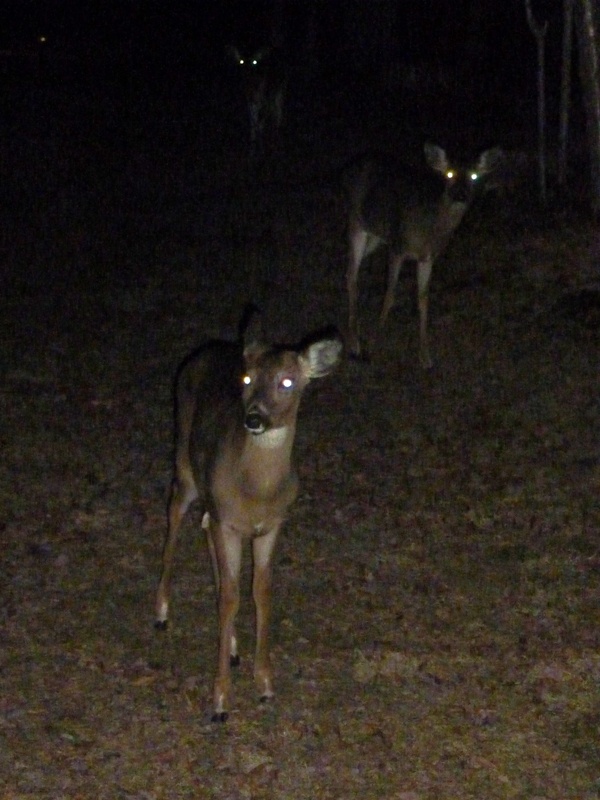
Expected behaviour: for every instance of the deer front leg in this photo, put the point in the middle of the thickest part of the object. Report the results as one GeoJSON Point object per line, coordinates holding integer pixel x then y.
{"type": "Point", "coordinates": [234, 658]}
{"type": "Point", "coordinates": [228, 556]}
{"type": "Point", "coordinates": [423, 277]}
{"type": "Point", "coordinates": [261, 589]}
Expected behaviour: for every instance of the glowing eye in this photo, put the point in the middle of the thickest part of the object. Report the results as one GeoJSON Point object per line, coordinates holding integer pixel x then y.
{"type": "Point", "coordinates": [254, 62]}
{"type": "Point", "coordinates": [286, 383]}
{"type": "Point", "coordinates": [241, 62]}
{"type": "Point", "coordinates": [450, 174]}
{"type": "Point", "coordinates": [474, 176]}
{"type": "Point", "coordinates": [246, 380]}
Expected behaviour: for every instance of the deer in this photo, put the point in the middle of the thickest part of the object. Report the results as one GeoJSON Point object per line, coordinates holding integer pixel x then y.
{"type": "Point", "coordinates": [236, 414]}
{"type": "Point", "coordinates": [264, 83]}
{"type": "Point", "coordinates": [414, 211]}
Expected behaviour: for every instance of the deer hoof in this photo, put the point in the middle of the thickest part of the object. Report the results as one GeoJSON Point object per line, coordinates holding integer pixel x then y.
{"type": "Point", "coordinates": [234, 661]}
{"type": "Point", "coordinates": [219, 716]}
{"type": "Point", "coordinates": [161, 624]}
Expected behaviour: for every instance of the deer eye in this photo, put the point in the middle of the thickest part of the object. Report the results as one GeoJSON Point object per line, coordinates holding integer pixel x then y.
{"type": "Point", "coordinates": [450, 174]}
{"type": "Point", "coordinates": [246, 380]}
{"type": "Point", "coordinates": [474, 176]}
{"type": "Point", "coordinates": [285, 384]}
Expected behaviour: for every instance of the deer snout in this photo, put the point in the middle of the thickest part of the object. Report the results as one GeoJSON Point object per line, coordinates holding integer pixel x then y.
{"type": "Point", "coordinates": [255, 420]}
{"type": "Point", "coordinates": [460, 192]}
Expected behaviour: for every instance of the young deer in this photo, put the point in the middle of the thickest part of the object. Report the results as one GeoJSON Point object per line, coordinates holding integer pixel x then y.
{"type": "Point", "coordinates": [236, 409]}
{"type": "Point", "coordinates": [264, 82]}
{"type": "Point", "coordinates": [413, 211]}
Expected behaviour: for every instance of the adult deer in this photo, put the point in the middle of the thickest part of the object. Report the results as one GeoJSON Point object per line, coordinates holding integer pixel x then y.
{"type": "Point", "coordinates": [236, 411]}
{"type": "Point", "coordinates": [263, 77]}
{"type": "Point", "coordinates": [414, 211]}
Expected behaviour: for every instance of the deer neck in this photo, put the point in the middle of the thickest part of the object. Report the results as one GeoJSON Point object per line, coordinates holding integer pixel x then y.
{"type": "Point", "coordinates": [449, 218]}
{"type": "Point", "coordinates": [265, 463]}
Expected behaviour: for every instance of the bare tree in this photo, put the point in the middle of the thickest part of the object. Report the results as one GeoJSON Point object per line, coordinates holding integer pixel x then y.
{"type": "Point", "coordinates": [565, 91]}
{"type": "Point", "coordinates": [587, 21]}
{"type": "Point", "coordinates": [539, 31]}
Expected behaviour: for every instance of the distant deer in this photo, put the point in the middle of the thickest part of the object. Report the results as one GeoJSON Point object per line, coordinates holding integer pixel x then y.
{"type": "Point", "coordinates": [236, 409]}
{"type": "Point", "coordinates": [264, 82]}
{"type": "Point", "coordinates": [413, 211]}
{"type": "Point", "coordinates": [29, 51]}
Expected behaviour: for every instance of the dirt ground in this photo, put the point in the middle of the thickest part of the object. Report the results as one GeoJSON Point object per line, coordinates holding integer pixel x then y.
{"type": "Point", "coordinates": [437, 584]}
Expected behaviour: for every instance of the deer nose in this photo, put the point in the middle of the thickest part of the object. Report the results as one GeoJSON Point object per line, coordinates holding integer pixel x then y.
{"type": "Point", "coordinates": [255, 422]}
{"type": "Point", "coordinates": [461, 192]}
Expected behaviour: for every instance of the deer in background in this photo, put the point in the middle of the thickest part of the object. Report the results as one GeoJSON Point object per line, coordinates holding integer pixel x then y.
{"type": "Point", "coordinates": [236, 410]}
{"type": "Point", "coordinates": [414, 211]}
{"type": "Point", "coordinates": [263, 77]}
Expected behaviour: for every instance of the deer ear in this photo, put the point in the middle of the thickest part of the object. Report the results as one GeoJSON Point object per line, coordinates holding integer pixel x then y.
{"type": "Point", "coordinates": [250, 329]}
{"type": "Point", "coordinates": [320, 357]}
{"type": "Point", "coordinates": [233, 53]}
{"type": "Point", "coordinates": [252, 352]}
{"type": "Point", "coordinates": [261, 54]}
{"type": "Point", "coordinates": [490, 160]}
{"type": "Point", "coordinates": [436, 158]}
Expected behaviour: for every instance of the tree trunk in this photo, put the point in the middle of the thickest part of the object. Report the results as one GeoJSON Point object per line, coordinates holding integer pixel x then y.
{"type": "Point", "coordinates": [539, 32]}
{"type": "Point", "coordinates": [587, 21]}
{"type": "Point", "coordinates": [565, 91]}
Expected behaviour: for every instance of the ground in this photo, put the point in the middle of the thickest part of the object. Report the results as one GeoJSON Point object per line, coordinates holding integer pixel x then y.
{"type": "Point", "coordinates": [437, 584]}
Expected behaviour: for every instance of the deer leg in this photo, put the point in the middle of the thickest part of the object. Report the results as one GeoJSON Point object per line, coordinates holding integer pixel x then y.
{"type": "Point", "coordinates": [261, 589]}
{"type": "Point", "coordinates": [395, 265]}
{"type": "Point", "coordinates": [278, 108]}
{"type": "Point", "coordinates": [228, 552]}
{"type": "Point", "coordinates": [423, 277]}
{"type": "Point", "coordinates": [234, 659]}
{"type": "Point", "coordinates": [358, 247]}
{"type": "Point", "coordinates": [183, 494]}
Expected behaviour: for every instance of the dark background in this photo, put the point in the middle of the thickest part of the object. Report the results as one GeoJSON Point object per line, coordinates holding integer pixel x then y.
{"type": "Point", "coordinates": [112, 110]}
{"type": "Point", "coordinates": [484, 48]}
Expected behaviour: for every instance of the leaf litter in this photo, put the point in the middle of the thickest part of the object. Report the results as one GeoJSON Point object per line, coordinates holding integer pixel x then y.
{"type": "Point", "coordinates": [437, 586]}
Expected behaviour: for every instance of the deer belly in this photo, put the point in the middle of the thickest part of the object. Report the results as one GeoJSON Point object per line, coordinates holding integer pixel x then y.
{"type": "Point", "coordinates": [250, 514]}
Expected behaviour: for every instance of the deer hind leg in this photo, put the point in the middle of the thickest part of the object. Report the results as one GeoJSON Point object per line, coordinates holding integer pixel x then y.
{"type": "Point", "coordinates": [228, 556]}
{"type": "Point", "coordinates": [261, 589]}
{"type": "Point", "coordinates": [423, 278]}
{"type": "Point", "coordinates": [395, 265]}
{"type": "Point", "coordinates": [358, 241]}
{"type": "Point", "coordinates": [183, 494]}
{"type": "Point", "coordinates": [278, 103]}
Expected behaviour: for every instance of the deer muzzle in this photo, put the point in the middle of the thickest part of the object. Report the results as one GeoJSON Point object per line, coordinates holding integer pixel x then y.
{"type": "Point", "coordinates": [256, 421]}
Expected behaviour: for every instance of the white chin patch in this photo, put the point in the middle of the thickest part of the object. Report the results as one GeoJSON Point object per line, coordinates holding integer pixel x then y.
{"type": "Point", "coordinates": [274, 437]}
